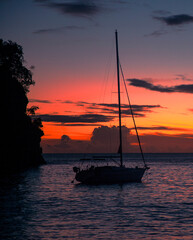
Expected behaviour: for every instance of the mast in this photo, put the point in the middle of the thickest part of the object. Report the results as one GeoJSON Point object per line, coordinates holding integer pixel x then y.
{"type": "Point", "coordinates": [119, 101]}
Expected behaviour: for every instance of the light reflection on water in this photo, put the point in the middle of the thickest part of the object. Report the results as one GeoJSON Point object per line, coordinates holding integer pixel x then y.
{"type": "Point", "coordinates": [44, 204]}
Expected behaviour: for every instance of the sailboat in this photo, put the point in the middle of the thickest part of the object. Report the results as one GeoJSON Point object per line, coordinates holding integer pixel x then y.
{"type": "Point", "coordinates": [113, 174]}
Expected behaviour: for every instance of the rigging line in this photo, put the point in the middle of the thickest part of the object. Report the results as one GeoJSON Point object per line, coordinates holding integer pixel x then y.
{"type": "Point", "coordinates": [115, 161]}
{"type": "Point", "coordinates": [106, 75]}
{"type": "Point", "coordinates": [132, 116]}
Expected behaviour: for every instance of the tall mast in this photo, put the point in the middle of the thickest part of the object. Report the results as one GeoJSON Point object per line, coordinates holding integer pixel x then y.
{"type": "Point", "coordinates": [119, 101]}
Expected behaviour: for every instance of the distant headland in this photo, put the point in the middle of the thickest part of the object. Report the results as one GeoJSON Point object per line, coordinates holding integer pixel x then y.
{"type": "Point", "coordinates": [21, 131]}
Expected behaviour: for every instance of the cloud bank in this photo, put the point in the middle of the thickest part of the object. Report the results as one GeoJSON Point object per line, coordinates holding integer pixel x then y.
{"type": "Point", "coordinates": [33, 100]}
{"type": "Point", "coordinates": [95, 113]}
{"type": "Point", "coordinates": [112, 108]}
{"type": "Point", "coordinates": [183, 88]}
{"type": "Point", "coordinates": [174, 20]}
{"type": "Point", "coordinates": [78, 8]}
{"type": "Point", "coordinates": [84, 118]}
{"type": "Point", "coordinates": [58, 30]}
{"type": "Point", "coordinates": [105, 140]}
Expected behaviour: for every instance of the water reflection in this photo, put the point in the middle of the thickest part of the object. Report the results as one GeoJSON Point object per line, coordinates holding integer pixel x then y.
{"type": "Point", "coordinates": [44, 204]}
{"type": "Point", "coordinates": [15, 209]}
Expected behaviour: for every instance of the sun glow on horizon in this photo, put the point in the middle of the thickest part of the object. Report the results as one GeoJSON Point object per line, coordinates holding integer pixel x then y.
{"type": "Point", "coordinates": [169, 116]}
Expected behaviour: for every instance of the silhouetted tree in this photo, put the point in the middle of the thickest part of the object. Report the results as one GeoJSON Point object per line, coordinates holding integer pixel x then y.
{"type": "Point", "coordinates": [22, 135]}
{"type": "Point", "coordinates": [12, 62]}
{"type": "Point", "coordinates": [32, 110]}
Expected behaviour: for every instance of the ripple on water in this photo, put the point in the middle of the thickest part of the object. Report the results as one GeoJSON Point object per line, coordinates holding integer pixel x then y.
{"type": "Point", "coordinates": [43, 204]}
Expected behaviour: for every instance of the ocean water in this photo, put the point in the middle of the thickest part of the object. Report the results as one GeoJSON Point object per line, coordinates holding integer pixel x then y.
{"type": "Point", "coordinates": [43, 203]}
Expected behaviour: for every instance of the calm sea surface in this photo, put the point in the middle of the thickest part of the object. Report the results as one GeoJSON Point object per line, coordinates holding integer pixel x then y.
{"type": "Point", "coordinates": [43, 203]}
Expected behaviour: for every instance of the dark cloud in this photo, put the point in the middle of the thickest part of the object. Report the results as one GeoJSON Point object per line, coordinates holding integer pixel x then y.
{"type": "Point", "coordinates": [183, 88]}
{"type": "Point", "coordinates": [174, 20]}
{"type": "Point", "coordinates": [78, 8]}
{"type": "Point", "coordinates": [112, 108]}
{"type": "Point", "coordinates": [39, 100]}
{"type": "Point", "coordinates": [84, 118]}
{"type": "Point", "coordinates": [183, 77]}
{"type": "Point", "coordinates": [82, 8]}
{"type": "Point", "coordinates": [65, 139]}
{"type": "Point", "coordinates": [66, 145]}
{"type": "Point", "coordinates": [46, 30]}
{"type": "Point", "coordinates": [138, 110]}
{"type": "Point", "coordinates": [101, 134]}
{"type": "Point", "coordinates": [78, 124]}
{"type": "Point", "coordinates": [144, 84]}
{"type": "Point", "coordinates": [156, 33]}
{"type": "Point", "coordinates": [162, 128]}
{"type": "Point", "coordinates": [171, 20]}
{"type": "Point", "coordinates": [105, 140]}
{"type": "Point", "coordinates": [67, 101]}
{"type": "Point", "coordinates": [57, 30]}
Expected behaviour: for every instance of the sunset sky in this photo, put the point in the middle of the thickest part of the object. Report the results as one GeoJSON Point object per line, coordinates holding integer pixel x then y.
{"type": "Point", "coordinates": [71, 46]}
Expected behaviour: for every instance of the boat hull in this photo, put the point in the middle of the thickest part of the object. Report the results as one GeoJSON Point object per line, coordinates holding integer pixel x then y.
{"type": "Point", "coordinates": [110, 175]}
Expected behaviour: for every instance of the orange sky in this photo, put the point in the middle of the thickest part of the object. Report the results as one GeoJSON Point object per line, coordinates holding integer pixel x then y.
{"type": "Point", "coordinates": [73, 94]}
{"type": "Point", "coordinates": [174, 112]}
{"type": "Point", "coordinates": [73, 51]}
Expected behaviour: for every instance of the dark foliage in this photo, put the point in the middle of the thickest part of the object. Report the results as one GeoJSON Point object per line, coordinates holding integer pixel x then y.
{"type": "Point", "coordinates": [21, 135]}
{"type": "Point", "coordinates": [12, 62]}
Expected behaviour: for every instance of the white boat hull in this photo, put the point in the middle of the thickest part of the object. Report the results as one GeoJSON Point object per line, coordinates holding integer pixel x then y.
{"type": "Point", "coordinates": [110, 175]}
